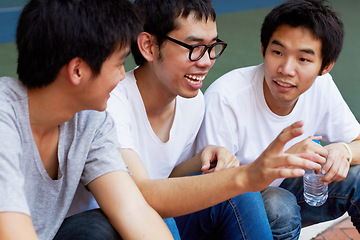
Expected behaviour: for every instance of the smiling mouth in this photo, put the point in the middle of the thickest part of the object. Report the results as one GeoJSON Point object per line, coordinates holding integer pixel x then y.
{"type": "Point", "coordinates": [193, 79]}
{"type": "Point", "coordinates": [282, 84]}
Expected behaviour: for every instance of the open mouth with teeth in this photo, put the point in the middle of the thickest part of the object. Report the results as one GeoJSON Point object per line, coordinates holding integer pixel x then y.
{"type": "Point", "coordinates": [285, 85]}
{"type": "Point", "coordinates": [194, 79]}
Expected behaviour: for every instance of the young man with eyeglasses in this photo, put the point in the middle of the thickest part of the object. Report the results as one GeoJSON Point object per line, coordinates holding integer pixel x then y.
{"type": "Point", "coordinates": [300, 42]}
{"type": "Point", "coordinates": [158, 109]}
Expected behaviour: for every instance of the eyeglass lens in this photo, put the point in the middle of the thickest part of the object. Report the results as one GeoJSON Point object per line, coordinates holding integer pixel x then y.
{"type": "Point", "coordinates": [199, 51]}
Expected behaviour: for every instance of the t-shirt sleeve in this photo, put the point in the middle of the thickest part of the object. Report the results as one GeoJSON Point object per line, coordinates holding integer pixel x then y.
{"type": "Point", "coordinates": [119, 109]}
{"type": "Point", "coordinates": [339, 123]}
{"type": "Point", "coordinates": [105, 153]}
{"type": "Point", "coordinates": [12, 195]}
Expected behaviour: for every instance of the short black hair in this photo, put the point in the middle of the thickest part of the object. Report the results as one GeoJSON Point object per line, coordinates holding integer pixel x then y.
{"type": "Point", "coordinates": [52, 32]}
{"type": "Point", "coordinates": [160, 18]}
{"type": "Point", "coordinates": [315, 16]}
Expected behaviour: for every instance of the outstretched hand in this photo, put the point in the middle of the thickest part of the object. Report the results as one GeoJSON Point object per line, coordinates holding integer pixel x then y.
{"type": "Point", "coordinates": [273, 163]}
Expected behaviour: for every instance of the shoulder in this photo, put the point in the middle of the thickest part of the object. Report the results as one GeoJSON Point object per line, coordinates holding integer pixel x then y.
{"type": "Point", "coordinates": [235, 85]}
{"type": "Point", "coordinates": [323, 86]}
{"type": "Point", "coordinates": [91, 122]}
{"type": "Point", "coordinates": [12, 89]}
{"type": "Point", "coordinates": [13, 101]}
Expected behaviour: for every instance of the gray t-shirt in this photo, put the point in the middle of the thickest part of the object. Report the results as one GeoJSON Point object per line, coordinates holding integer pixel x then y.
{"type": "Point", "coordinates": [87, 149]}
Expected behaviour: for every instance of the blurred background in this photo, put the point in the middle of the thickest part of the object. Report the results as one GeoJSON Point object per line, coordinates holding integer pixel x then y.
{"type": "Point", "coordinates": [239, 23]}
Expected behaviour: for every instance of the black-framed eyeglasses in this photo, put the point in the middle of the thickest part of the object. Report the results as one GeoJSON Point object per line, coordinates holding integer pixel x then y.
{"type": "Point", "coordinates": [197, 51]}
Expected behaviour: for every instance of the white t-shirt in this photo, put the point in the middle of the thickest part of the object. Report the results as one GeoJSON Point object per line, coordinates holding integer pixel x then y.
{"type": "Point", "coordinates": [238, 118]}
{"type": "Point", "coordinates": [87, 149]}
{"type": "Point", "coordinates": [135, 132]}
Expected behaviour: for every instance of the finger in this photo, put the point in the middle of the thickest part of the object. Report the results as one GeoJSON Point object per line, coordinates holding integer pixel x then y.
{"type": "Point", "coordinates": [318, 148]}
{"type": "Point", "coordinates": [331, 174]}
{"type": "Point", "coordinates": [328, 164]}
{"type": "Point", "coordinates": [233, 163]}
{"type": "Point", "coordinates": [303, 161]}
{"type": "Point", "coordinates": [342, 172]}
{"type": "Point", "coordinates": [205, 167]}
{"type": "Point", "coordinates": [319, 138]}
{"type": "Point", "coordinates": [313, 161]}
{"type": "Point", "coordinates": [209, 171]}
{"type": "Point", "coordinates": [207, 156]}
{"type": "Point", "coordinates": [220, 163]}
{"type": "Point", "coordinates": [288, 173]}
{"type": "Point", "coordinates": [286, 135]}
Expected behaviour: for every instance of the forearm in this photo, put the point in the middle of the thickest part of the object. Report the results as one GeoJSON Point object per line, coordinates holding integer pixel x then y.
{"type": "Point", "coordinates": [179, 196]}
{"type": "Point", "coordinates": [127, 210]}
{"type": "Point", "coordinates": [16, 226]}
{"type": "Point", "coordinates": [355, 149]}
{"type": "Point", "coordinates": [188, 167]}
{"type": "Point", "coordinates": [142, 222]}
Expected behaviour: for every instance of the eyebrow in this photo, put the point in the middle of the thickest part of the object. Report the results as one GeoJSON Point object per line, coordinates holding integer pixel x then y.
{"type": "Point", "coordinates": [196, 39]}
{"type": "Point", "coordinates": [306, 50]}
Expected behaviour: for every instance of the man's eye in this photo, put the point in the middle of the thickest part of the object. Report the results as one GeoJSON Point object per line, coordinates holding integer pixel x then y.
{"type": "Point", "coordinates": [277, 52]}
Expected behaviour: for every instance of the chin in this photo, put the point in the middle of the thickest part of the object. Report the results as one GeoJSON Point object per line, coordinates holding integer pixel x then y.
{"type": "Point", "coordinates": [190, 94]}
{"type": "Point", "coordinates": [101, 108]}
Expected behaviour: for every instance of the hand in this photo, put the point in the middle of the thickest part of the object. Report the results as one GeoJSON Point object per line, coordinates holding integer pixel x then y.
{"type": "Point", "coordinates": [273, 163]}
{"type": "Point", "coordinates": [309, 146]}
{"type": "Point", "coordinates": [337, 166]}
{"type": "Point", "coordinates": [214, 158]}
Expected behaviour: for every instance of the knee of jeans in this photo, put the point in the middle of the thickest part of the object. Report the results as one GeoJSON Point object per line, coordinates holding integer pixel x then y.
{"type": "Point", "coordinates": [88, 225]}
{"type": "Point", "coordinates": [281, 206]}
{"type": "Point", "coordinates": [353, 174]}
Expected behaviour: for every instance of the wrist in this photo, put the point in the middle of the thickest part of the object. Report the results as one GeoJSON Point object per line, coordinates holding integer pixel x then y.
{"type": "Point", "coordinates": [348, 150]}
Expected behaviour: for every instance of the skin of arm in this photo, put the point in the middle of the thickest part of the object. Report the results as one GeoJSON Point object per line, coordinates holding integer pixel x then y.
{"type": "Point", "coordinates": [179, 196]}
{"type": "Point", "coordinates": [210, 159]}
{"type": "Point", "coordinates": [11, 222]}
{"type": "Point", "coordinates": [127, 210]}
{"type": "Point", "coordinates": [337, 166]}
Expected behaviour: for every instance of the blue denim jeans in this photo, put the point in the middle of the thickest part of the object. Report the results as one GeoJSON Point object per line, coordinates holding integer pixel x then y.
{"type": "Point", "coordinates": [89, 225]}
{"type": "Point", "coordinates": [287, 210]}
{"type": "Point", "coordinates": [242, 217]}
{"type": "Point", "coordinates": [94, 225]}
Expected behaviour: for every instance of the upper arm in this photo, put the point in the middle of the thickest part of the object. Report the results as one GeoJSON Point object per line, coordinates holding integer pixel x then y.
{"type": "Point", "coordinates": [135, 165]}
{"type": "Point", "coordinates": [115, 190]}
{"type": "Point", "coordinates": [16, 226]}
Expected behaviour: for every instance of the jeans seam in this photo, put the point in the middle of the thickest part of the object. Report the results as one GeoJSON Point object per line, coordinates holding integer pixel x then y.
{"type": "Point", "coordinates": [355, 205]}
{"type": "Point", "coordinates": [238, 218]}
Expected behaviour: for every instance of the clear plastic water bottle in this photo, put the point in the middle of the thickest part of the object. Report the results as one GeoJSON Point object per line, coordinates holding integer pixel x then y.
{"type": "Point", "coordinates": [315, 192]}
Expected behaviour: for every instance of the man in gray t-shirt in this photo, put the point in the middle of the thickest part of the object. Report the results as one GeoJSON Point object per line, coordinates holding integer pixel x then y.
{"type": "Point", "coordinates": [71, 56]}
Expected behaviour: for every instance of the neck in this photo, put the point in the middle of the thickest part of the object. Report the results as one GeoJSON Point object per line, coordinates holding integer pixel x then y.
{"type": "Point", "coordinates": [159, 104]}
{"type": "Point", "coordinates": [280, 108]}
{"type": "Point", "coordinates": [156, 98]}
{"type": "Point", "coordinates": [47, 110]}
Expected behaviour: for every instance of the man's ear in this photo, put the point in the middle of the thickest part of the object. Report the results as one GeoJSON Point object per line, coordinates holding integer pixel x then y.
{"type": "Point", "coordinates": [147, 43]}
{"type": "Point", "coordinates": [75, 70]}
{"type": "Point", "coordinates": [262, 50]}
{"type": "Point", "coordinates": [327, 68]}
